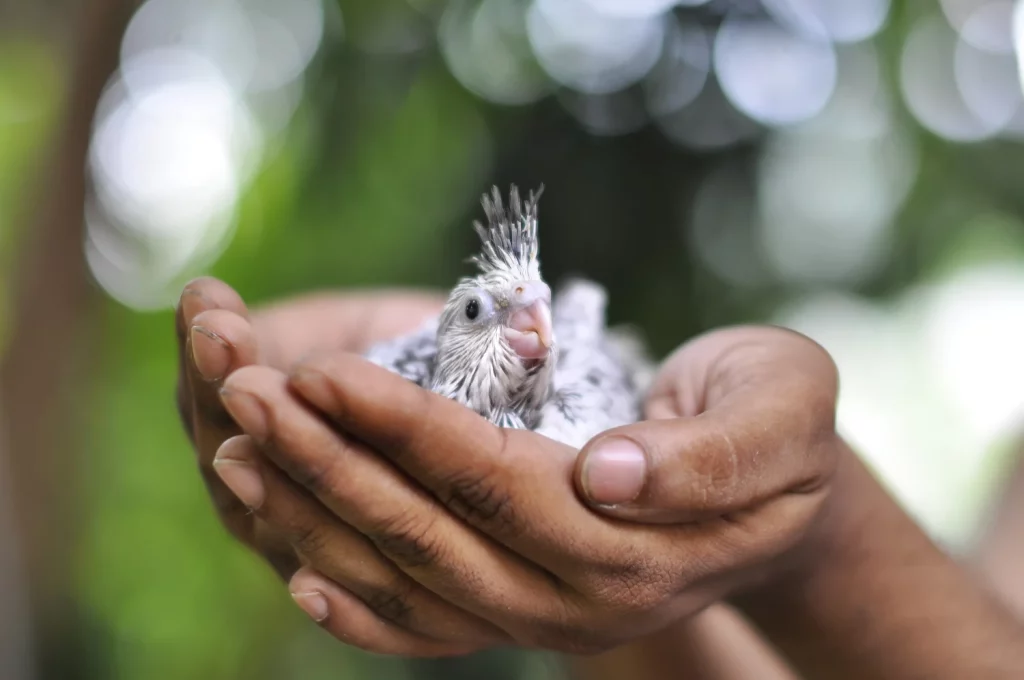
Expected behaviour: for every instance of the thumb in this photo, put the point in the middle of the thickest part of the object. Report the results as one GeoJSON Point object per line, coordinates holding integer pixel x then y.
{"type": "Point", "coordinates": [725, 460]}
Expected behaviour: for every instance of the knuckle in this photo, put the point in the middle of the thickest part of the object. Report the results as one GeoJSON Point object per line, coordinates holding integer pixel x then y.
{"type": "Point", "coordinates": [309, 539]}
{"type": "Point", "coordinates": [408, 540]}
{"type": "Point", "coordinates": [319, 476]}
{"type": "Point", "coordinates": [482, 498]}
{"type": "Point", "coordinates": [389, 602]}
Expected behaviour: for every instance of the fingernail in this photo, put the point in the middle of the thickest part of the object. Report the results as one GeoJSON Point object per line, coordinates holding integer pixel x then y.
{"type": "Point", "coordinates": [614, 472]}
{"type": "Point", "coordinates": [241, 476]}
{"type": "Point", "coordinates": [209, 353]}
{"type": "Point", "coordinates": [192, 303]}
{"type": "Point", "coordinates": [247, 412]}
{"type": "Point", "coordinates": [313, 603]}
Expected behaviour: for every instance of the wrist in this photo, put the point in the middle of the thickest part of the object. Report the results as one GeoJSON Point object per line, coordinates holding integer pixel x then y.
{"type": "Point", "coordinates": [870, 595]}
{"type": "Point", "coordinates": [826, 536]}
{"type": "Point", "coordinates": [858, 528]}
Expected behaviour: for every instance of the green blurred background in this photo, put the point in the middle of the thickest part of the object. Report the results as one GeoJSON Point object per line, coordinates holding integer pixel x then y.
{"type": "Point", "coordinates": [851, 170]}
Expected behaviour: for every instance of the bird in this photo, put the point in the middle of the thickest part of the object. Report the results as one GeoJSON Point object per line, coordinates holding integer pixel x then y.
{"type": "Point", "coordinates": [504, 347]}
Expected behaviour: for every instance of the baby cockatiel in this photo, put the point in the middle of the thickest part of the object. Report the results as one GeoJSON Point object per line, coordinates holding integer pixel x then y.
{"type": "Point", "coordinates": [502, 347]}
{"type": "Point", "coordinates": [496, 349]}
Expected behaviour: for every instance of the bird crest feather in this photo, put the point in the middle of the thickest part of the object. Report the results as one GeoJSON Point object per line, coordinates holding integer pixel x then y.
{"type": "Point", "coordinates": [509, 239]}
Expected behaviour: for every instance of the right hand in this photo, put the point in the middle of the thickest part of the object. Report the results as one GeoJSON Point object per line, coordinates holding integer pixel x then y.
{"type": "Point", "coordinates": [217, 335]}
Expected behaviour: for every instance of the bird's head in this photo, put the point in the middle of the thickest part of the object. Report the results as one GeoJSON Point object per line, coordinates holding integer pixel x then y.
{"type": "Point", "coordinates": [495, 330]}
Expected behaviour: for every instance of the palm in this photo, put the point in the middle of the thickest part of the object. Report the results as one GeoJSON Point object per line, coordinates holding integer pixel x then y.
{"type": "Point", "coordinates": [349, 322]}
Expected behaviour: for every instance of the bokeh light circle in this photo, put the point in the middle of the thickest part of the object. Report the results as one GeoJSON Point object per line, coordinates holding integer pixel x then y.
{"type": "Point", "coordinates": [772, 75]}
{"type": "Point", "coordinates": [591, 51]}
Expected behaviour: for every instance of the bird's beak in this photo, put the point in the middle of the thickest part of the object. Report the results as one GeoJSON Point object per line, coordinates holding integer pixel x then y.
{"type": "Point", "coordinates": [529, 330]}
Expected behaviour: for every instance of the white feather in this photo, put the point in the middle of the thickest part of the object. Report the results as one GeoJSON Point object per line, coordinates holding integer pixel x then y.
{"type": "Point", "coordinates": [599, 380]}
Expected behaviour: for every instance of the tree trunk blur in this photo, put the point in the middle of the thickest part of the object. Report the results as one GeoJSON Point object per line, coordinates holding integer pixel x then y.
{"type": "Point", "coordinates": [49, 346]}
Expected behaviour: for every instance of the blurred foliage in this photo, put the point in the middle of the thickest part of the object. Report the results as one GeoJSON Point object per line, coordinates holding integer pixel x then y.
{"type": "Point", "coordinates": [375, 182]}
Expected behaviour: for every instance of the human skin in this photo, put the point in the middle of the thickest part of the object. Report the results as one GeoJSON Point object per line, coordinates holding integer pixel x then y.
{"type": "Point", "coordinates": [717, 644]}
{"type": "Point", "coordinates": [883, 603]}
{"type": "Point", "coordinates": [215, 327]}
{"type": "Point", "coordinates": [217, 334]}
{"type": "Point", "coordinates": [778, 564]}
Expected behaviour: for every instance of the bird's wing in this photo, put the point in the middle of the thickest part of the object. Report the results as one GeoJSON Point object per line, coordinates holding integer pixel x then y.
{"type": "Point", "coordinates": [596, 380]}
{"type": "Point", "coordinates": [410, 356]}
{"type": "Point", "coordinates": [577, 312]}
{"type": "Point", "coordinates": [630, 348]}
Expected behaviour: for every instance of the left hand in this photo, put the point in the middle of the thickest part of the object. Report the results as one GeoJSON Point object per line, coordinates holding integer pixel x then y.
{"type": "Point", "coordinates": [428, 531]}
{"type": "Point", "coordinates": [218, 334]}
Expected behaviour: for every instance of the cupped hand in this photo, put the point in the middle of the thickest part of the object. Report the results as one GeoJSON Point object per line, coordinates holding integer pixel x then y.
{"type": "Point", "coordinates": [217, 335]}
{"type": "Point", "coordinates": [425, 530]}
{"type": "Point", "coordinates": [733, 419]}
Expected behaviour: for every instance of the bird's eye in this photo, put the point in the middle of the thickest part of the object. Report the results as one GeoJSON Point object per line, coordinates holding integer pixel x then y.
{"type": "Point", "coordinates": [478, 306]}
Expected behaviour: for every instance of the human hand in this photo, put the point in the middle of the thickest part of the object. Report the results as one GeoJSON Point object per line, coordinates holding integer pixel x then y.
{"type": "Point", "coordinates": [428, 531]}
{"type": "Point", "coordinates": [217, 335]}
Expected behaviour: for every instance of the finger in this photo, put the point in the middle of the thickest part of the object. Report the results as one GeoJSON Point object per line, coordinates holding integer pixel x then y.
{"type": "Point", "coordinates": [527, 497]}
{"type": "Point", "coordinates": [219, 342]}
{"type": "Point", "coordinates": [508, 483]}
{"type": "Point", "coordinates": [767, 430]}
{"type": "Point", "coordinates": [221, 339]}
{"type": "Point", "coordinates": [341, 554]}
{"type": "Point", "coordinates": [216, 293]}
{"type": "Point", "coordinates": [213, 337]}
{"type": "Point", "coordinates": [347, 618]}
{"type": "Point", "coordinates": [198, 296]}
{"type": "Point", "coordinates": [404, 522]}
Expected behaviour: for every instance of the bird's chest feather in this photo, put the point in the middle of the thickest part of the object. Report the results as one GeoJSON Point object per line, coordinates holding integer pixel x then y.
{"type": "Point", "coordinates": [506, 392]}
